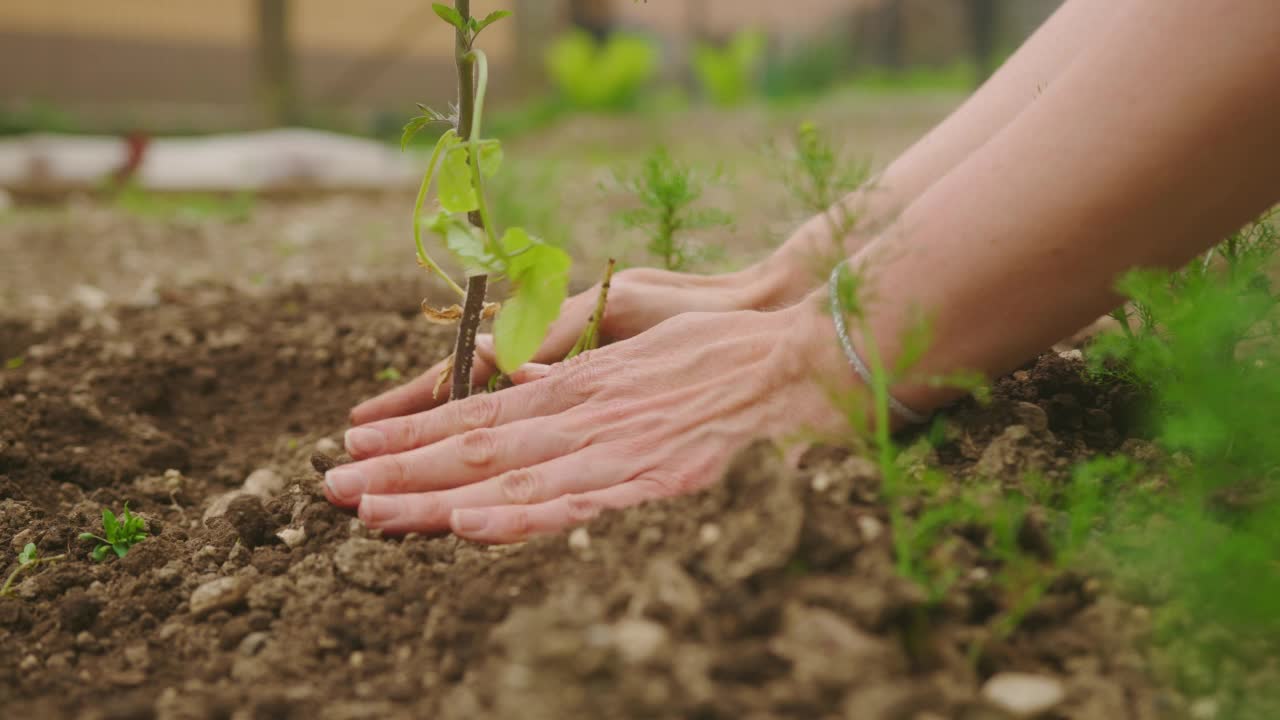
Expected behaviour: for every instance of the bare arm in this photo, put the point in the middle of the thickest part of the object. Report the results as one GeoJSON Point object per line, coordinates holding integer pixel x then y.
{"type": "Point", "coordinates": [1010, 90]}
{"type": "Point", "coordinates": [1158, 141]}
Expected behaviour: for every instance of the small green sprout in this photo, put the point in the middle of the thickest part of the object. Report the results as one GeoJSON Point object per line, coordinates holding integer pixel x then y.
{"type": "Point", "coordinates": [27, 559]}
{"type": "Point", "coordinates": [667, 192]}
{"type": "Point", "coordinates": [388, 374]}
{"type": "Point", "coordinates": [120, 533]}
{"type": "Point", "coordinates": [14, 363]}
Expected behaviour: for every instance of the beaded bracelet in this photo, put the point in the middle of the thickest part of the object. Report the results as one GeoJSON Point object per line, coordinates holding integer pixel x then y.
{"type": "Point", "coordinates": [837, 314]}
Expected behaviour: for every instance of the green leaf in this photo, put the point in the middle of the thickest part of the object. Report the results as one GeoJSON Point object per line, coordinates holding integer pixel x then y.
{"type": "Point", "coordinates": [121, 549]}
{"type": "Point", "coordinates": [541, 276]}
{"type": "Point", "coordinates": [28, 554]}
{"type": "Point", "coordinates": [14, 363]}
{"type": "Point", "coordinates": [490, 157]}
{"type": "Point", "coordinates": [491, 18]}
{"type": "Point", "coordinates": [100, 552]}
{"type": "Point", "coordinates": [449, 15]}
{"type": "Point", "coordinates": [455, 189]}
{"type": "Point", "coordinates": [466, 242]}
{"type": "Point", "coordinates": [88, 536]}
{"type": "Point", "coordinates": [411, 128]}
{"type": "Point", "coordinates": [109, 523]}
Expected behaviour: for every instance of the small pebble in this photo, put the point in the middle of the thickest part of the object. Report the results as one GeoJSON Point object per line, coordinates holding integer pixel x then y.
{"type": "Point", "coordinates": [709, 534]}
{"type": "Point", "coordinates": [870, 527]}
{"type": "Point", "coordinates": [1205, 708]}
{"type": "Point", "coordinates": [579, 539]}
{"type": "Point", "coordinates": [29, 663]}
{"type": "Point", "coordinates": [252, 643]}
{"type": "Point", "coordinates": [638, 639]}
{"type": "Point", "coordinates": [293, 537]}
{"type": "Point", "coordinates": [1023, 695]}
{"type": "Point", "coordinates": [328, 446]}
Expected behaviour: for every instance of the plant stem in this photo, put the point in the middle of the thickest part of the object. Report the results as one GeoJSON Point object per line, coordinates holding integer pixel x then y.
{"type": "Point", "coordinates": [8, 584]}
{"type": "Point", "coordinates": [465, 347]}
{"type": "Point", "coordinates": [590, 337]}
{"type": "Point", "coordinates": [423, 257]}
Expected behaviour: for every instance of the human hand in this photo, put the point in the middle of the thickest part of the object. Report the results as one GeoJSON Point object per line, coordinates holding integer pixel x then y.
{"type": "Point", "coordinates": [639, 299]}
{"type": "Point", "coordinates": [658, 415]}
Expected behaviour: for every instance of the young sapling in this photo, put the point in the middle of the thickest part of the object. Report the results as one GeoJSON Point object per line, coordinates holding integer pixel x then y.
{"type": "Point", "coordinates": [590, 337]}
{"type": "Point", "coordinates": [118, 533]}
{"type": "Point", "coordinates": [28, 559]}
{"type": "Point", "coordinates": [461, 163]}
{"type": "Point", "coordinates": [667, 191]}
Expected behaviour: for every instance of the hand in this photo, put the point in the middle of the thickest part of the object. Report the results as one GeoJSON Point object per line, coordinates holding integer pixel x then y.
{"type": "Point", "coordinates": [658, 415]}
{"type": "Point", "coordinates": [638, 300]}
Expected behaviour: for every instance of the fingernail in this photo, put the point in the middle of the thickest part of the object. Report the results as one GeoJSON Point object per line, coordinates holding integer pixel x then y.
{"type": "Point", "coordinates": [469, 521]}
{"type": "Point", "coordinates": [376, 509]}
{"type": "Point", "coordinates": [364, 441]}
{"type": "Point", "coordinates": [345, 482]}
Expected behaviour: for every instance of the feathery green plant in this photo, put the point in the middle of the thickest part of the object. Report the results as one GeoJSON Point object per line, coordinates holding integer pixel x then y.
{"type": "Point", "coordinates": [667, 191]}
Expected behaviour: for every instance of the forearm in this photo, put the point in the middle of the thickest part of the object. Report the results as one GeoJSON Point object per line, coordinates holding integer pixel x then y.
{"type": "Point", "coordinates": [1144, 153]}
{"type": "Point", "coordinates": [804, 259]}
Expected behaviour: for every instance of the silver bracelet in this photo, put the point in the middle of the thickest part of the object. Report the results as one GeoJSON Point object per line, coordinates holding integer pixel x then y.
{"type": "Point", "coordinates": [837, 314]}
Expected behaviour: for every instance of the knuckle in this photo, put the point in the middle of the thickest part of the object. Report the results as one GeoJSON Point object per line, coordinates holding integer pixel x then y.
{"type": "Point", "coordinates": [668, 484]}
{"type": "Point", "coordinates": [390, 474]}
{"type": "Point", "coordinates": [478, 411]}
{"type": "Point", "coordinates": [580, 508]}
{"type": "Point", "coordinates": [477, 447]}
{"type": "Point", "coordinates": [520, 487]}
{"type": "Point", "coordinates": [518, 523]}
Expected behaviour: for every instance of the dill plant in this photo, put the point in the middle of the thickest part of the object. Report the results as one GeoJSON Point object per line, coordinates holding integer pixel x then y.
{"type": "Point", "coordinates": [668, 192]}
{"type": "Point", "coordinates": [1201, 545]}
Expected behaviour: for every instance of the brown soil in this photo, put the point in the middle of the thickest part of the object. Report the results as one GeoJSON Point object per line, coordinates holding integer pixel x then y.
{"type": "Point", "coordinates": [772, 595]}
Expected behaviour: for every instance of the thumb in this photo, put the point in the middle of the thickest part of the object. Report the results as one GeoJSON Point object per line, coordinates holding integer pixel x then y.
{"type": "Point", "coordinates": [529, 372]}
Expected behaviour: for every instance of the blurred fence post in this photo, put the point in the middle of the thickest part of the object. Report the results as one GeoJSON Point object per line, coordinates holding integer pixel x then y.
{"type": "Point", "coordinates": [276, 87]}
{"type": "Point", "coordinates": [984, 21]}
{"type": "Point", "coordinates": [537, 22]}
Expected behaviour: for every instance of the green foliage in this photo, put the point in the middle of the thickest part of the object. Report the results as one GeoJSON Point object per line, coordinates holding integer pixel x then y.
{"type": "Point", "coordinates": [957, 77]}
{"type": "Point", "coordinates": [590, 76]}
{"type": "Point", "coordinates": [728, 75]}
{"type": "Point", "coordinates": [668, 191]}
{"type": "Point", "coordinates": [540, 273]}
{"type": "Point", "coordinates": [235, 207]}
{"type": "Point", "coordinates": [15, 362]}
{"type": "Point", "coordinates": [118, 534]}
{"type": "Point", "coordinates": [816, 173]}
{"type": "Point", "coordinates": [388, 374]}
{"type": "Point", "coordinates": [1201, 545]}
{"type": "Point", "coordinates": [808, 69]}
{"type": "Point", "coordinates": [459, 168]}
{"type": "Point", "coordinates": [471, 27]}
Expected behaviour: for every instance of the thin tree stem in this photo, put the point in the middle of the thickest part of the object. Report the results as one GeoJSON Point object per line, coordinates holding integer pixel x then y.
{"type": "Point", "coordinates": [473, 307]}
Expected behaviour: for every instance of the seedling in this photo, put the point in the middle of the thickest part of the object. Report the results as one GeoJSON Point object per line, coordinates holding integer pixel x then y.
{"type": "Point", "coordinates": [388, 374]}
{"type": "Point", "coordinates": [28, 559]}
{"type": "Point", "coordinates": [462, 161]}
{"type": "Point", "coordinates": [118, 534]}
{"type": "Point", "coordinates": [14, 363]}
{"type": "Point", "coordinates": [667, 191]}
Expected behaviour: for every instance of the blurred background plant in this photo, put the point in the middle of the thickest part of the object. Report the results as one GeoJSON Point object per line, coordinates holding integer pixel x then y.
{"type": "Point", "coordinates": [601, 76]}
{"type": "Point", "coordinates": [727, 75]}
{"type": "Point", "coordinates": [328, 64]}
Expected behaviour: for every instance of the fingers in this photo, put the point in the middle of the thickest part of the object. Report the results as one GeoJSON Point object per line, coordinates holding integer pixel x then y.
{"type": "Point", "coordinates": [514, 523]}
{"type": "Point", "coordinates": [536, 484]}
{"type": "Point", "coordinates": [419, 393]}
{"type": "Point", "coordinates": [460, 459]}
{"type": "Point", "coordinates": [484, 410]}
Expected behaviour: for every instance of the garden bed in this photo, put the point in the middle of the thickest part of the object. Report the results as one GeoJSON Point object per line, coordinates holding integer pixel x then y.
{"type": "Point", "coordinates": [772, 595]}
